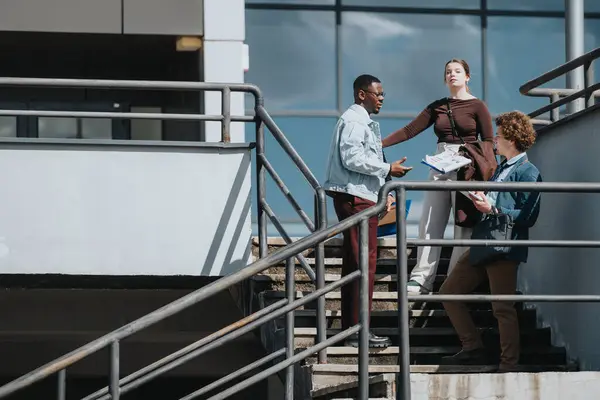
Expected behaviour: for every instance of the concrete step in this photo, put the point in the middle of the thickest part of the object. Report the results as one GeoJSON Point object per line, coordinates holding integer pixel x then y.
{"type": "Point", "coordinates": [305, 337]}
{"type": "Point", "coordinates": [418, 318]}
{"type": "Point", "coordinates": [382, 301]}
{"type": "Point", "coordinates": [463, 382]}
{"type": "Point", "coordinates": [333, 247]}
{"type": "Point", "coordinates": [381, 387]}
{"type": "Point", "coordinates": [532, 354]}
{"type": "Point", "coordinates": [333, 265]}
{"type": "Point", "coordinates": [383, 282]}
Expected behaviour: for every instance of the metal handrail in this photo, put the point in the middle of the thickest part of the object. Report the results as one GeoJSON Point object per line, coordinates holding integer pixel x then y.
{"type": "Point", "coordinates": [285, 306]}
{"type": "Point", "coordinates": [261, 117]}
{"type": "Point", "coordinates": [531, 88]}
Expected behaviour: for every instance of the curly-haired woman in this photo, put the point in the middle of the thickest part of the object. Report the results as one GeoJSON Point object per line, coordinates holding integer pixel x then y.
{"type": "Point", "coordinates": [515, 134]}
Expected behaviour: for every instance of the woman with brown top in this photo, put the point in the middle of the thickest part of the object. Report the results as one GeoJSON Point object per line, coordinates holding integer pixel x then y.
{"type": "Point", "coordinates": [472, 122]}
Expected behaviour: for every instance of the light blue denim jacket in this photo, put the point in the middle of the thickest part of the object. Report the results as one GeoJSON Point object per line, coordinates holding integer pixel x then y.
{"type": "Point", "coordinates": [355, 165]}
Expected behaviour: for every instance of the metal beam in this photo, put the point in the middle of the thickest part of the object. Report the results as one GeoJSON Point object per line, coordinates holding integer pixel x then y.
{"type": "Point", "coordinates": [574, 34]}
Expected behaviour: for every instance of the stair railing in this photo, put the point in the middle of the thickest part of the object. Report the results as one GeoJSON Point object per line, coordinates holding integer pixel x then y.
{"type": "Point", "coordinates": [560, 97]}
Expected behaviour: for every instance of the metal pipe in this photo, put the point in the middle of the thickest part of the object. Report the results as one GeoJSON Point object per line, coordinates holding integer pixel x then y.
{"type": "Point", "coordinates": [62, 385]}
{"type": "Point", "coordinates": [236, 333]}
{"type": "Point", "coordinates": [226, 112]}
{"type": "Point", "coordinates": [135, 84]}
{"type": "Point", "coordinates": [190, 348]}
{"type": "Point", "coordinates": [114, 371]}
{"type": "Point", "coordinates": [123, 115]}
{"type": "Point", "coordinates": [236, 374]}
{"type": "Point", "coordinates": [555, 113]}
{"type": "Point", "coordinates": [534, 298]}
{"type": "Point", "coordinates": [261, 189]}
{"type": "Point", "coordinates": [363, 310]}
{"type": "Point", "coordinates": [588, 81]}
{"type": "Point", "coordinates": [290, 290]}
{"type": "Point", "coordinates": [286, 192]}
{"type": "Point", "coordinates": [558, 71]}
{"type": "Point", "coordinates": [279, 226]}
{"type": "Point", "coordinates": [321, 223]}
{"type": "Point", "coordinates": [287, 147]}
{"type": "Point", "coordinates": [513, 243]}
{"type": "Point", "coordinates": [403, 385]}
{"type": "Point", "coordinates": [565, 100]}
{"type": "Point", "coordinates": [284, 364]}
{"type": "Point", "coordinates": [574, 40]}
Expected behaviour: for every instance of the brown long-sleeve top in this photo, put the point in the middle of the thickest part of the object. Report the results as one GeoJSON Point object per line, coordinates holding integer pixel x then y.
{"type": "Point", "coordinates": [471, 117]}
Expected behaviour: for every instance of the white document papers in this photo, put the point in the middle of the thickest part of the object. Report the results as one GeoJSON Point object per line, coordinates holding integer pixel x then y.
{"type": "Point", "coordinates": [446, 161]}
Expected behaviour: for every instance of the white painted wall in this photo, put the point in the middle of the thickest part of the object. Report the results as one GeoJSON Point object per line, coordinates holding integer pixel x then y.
{"type": "Point", "coordinates": [568, 153]}
{"type": "Point", "coordinates": [123, 209]}
{"type": "Point", "coordinates": [224, 34]}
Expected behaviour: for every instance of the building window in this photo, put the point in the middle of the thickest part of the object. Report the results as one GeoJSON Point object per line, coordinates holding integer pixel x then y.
{"type": "Point", "coordinates": [512, 44]}
{"type": "Point", "coordinates": [408, 53]}
{"type": "Point", "coordinates": [292, 57]}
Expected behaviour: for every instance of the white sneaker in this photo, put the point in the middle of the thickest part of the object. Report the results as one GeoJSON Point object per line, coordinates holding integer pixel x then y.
{"type": "Point", "coordinates": [415, 287]}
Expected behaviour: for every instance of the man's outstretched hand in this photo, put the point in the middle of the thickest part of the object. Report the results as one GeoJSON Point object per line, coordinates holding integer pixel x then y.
{"type": "Point", "coordinates": [397, 169]}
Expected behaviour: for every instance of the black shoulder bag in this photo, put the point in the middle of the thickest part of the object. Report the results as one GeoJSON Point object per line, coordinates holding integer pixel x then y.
{"type": "Point", "coordinates": [492, 227]}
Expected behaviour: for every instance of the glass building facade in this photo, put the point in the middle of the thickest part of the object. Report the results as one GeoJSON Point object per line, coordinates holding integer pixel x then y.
{"type": "Point", "coordinates": [305, 54]}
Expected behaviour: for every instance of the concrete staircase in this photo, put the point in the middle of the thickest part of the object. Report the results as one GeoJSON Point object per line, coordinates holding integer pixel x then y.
{"type": "Point", "coordinates": [431, 334]}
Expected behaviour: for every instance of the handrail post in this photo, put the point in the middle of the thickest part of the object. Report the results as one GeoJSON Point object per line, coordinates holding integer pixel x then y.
{"type": "Point", "coordinates": [320, 223]}
{"type": "Point", "coordinates": [555, 113]}
{"type": "Point", "coordinates": [115, 389]}
{"type": "Point", "coordinates": [403, 383]}
{"type": "Point", "coordinates": [62, 385]}
{"type": "Point", "coordinates": [261, 188]}
{"type": "Point", "coordinates": [363, 311]}
{"type": "Point", "coordinates": [290, 289]}
{"type": "Point", "coordinates": [588, 80]}
{"type": "Point", "coordinates": [574, 40]}
{"type": "Point", "coordinates": [226, 112]}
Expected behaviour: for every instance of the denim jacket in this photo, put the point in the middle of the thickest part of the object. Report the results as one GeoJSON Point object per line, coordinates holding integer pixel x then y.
{"type": "Point", "coordinates": [523, 207]}
{"type": "Point", "coordinates": [355, 165]}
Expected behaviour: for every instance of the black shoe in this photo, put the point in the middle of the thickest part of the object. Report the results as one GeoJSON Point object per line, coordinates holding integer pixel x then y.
{"type": "Point", "coordinates": [466, 357]}
{"type": "Point", "coordinates": [374, 341]}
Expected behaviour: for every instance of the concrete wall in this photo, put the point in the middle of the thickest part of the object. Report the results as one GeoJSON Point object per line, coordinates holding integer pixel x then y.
{"type": "Point", "coordinates": [173, 17]}
{"type": "Point", "coordinates": [223, 55]}
{"type": "Point", "coordinates": [568, 151]}
{"type": "Point", "coordinates": [123, 208]}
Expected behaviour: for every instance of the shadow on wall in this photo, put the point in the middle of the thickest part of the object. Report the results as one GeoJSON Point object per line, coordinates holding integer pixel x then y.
{"type": "Point", "coordinates": [223, 237]}
{"type": "Point", "coordinates": [562, 271]}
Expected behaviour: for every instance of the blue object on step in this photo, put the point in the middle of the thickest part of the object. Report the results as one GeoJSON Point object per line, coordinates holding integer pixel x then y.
{"type": "Point", "coordinates": [390, 229]}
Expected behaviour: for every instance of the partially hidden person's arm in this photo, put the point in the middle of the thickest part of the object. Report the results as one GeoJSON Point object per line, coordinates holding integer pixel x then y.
{"type": "Point", "coordinates": [527, 204]}
{"type": "Point", "coordinates": [423, 121]}
{"type": "Point", "coordinates": [355, 156]}
{"type": "Point", "coordinates": [484, 123]}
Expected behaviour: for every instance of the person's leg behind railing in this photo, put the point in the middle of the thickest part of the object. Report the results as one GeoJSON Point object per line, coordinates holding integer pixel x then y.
{"type": "Point", "coordinates": [502, 276]}
{"type": "Point", "coordinates": [463, 279]}
{"type": "Point", "coordinates": [434, 218]}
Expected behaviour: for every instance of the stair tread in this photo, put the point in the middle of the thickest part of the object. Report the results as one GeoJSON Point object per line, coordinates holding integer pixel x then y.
{"type": "Point", "coordinates": [413, 331]}
{"type": "Point", "coordinates": [337, 295]}
{"type": "Point", "coordinates": [433, 313]}
{"type": "Point", "coordinates": [333, 277]}
{"type": "Point", "coordinates": [394, 350]}
{"type": "Point", "coordinates": [429, 369]}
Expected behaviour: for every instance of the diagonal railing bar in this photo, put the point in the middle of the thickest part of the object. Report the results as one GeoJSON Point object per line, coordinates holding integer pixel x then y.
{"type": "Point", "coordinates": [190, 349]}
{"type": "Point", "coordinates": [277, 224]}
{"type": "Point", "coordinates": [236, 374]}
{"type": "Point", "coordinates": [286, 192]}
{"type": "Point", "coordinates": [287, 362]}
{"type": "Point", "coordinates": [249, 327]}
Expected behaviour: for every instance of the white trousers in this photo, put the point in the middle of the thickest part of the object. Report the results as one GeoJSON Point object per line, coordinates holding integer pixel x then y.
{"type": "Point", "coordinates": [434, 219]}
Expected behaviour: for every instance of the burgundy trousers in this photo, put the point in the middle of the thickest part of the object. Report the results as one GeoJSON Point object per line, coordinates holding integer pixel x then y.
{"type": "Point", "coordinates": [345, 206]}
